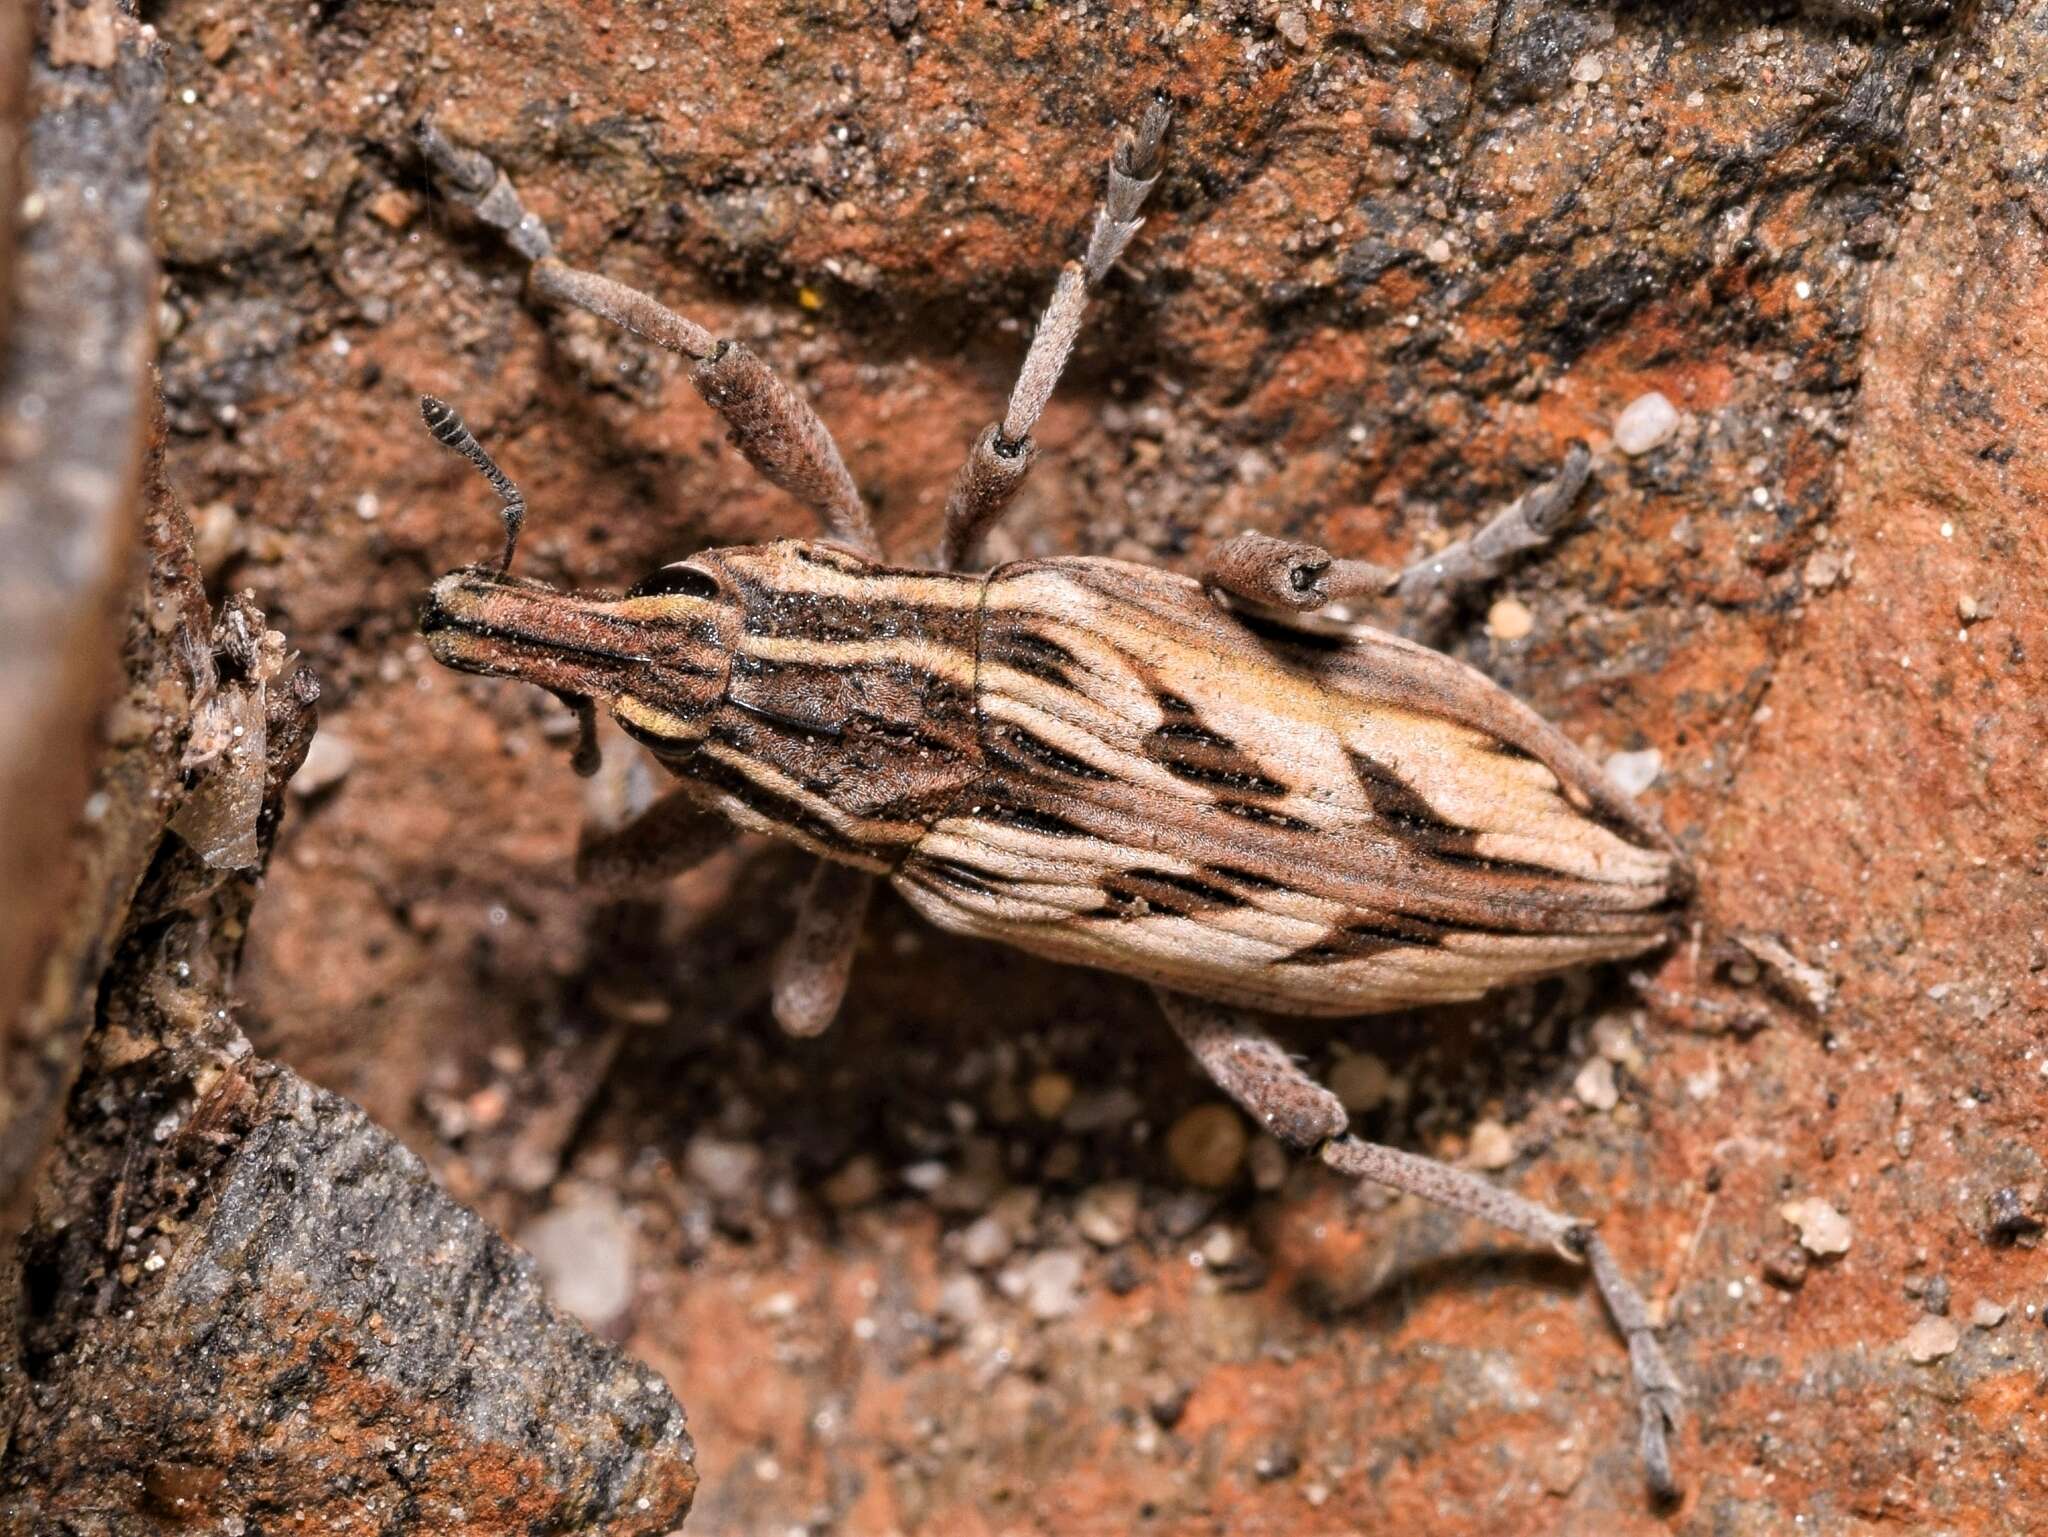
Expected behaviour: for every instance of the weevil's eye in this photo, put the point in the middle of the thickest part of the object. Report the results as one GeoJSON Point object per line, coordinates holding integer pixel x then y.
{"type": "Point", "coordinates": [686, 581]}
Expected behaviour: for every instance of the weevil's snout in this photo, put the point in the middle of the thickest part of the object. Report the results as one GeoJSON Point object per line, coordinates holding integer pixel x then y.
{"type": "Point", "coordinates": [480, 620]}
{"type": "Point", "coordinates": [653, 658]}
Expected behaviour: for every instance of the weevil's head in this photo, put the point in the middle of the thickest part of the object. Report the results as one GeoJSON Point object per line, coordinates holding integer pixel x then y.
{"type": "Point", "coordinates": [657, 657]}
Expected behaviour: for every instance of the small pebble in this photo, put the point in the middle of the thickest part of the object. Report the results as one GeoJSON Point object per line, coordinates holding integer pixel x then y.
{"type": "Point", "coordinates": [1561, 1468]}
{"type": "Point", "coordinates": [855, 1183]}
{"type": "Point", "coordinates": [2012, 1216]}
{"type": "Point", "coordinates": [1267, 1160]}
{"type": "Point", "coordinates": [394, 208]}
{"type": "Point", "coordinates": [1595, 1085]}
{"type": "Point", "coordinates": [1122, 1275]}
{"type": "Point", "coordinates": [1293, 26]}
{"type": "Point", "coordinates": [1616, 1041]}
{"type": "Point", "coordinates": [1934, 1295]}
{"type": "Point", "coordinates": [985, 1242]}
{"type": "Point", "coordinates": [728, 1170]}
{"type": "Point", "coordinates": [1181, 1212]}
{"type": "Point", "coordinates": [1167, 1402]}
{"type": "Point", "coordinates": [960, 1298]}
{"type": "Point", "coordinates": [328, 761]}
{"type": "Point", "coordinates": [1278, 1460]}
{"type": "Point", "coordinates": [583, 1250]}
{"type": "Point", "coordinates": [1207, 1145]}
{"type": "Point", "coordinates": [1634, 772]}
{"type": "Point", "coordinates": [1825, 567]}
{"type": "Point", "coordinates": [1589, 69]}
{"type": "Point", "coordinates": [1438, 251]}
{"type": "Point", "coordinates": [1223, 1247]}
{"type": "Point", "coordinates": [1107, 1215]}
{"type": "Point", "coordinates": [1931, 1338]}
{"type": "Point", "coordinates": [1509, 619]}
{"type": "Point", "coordinates": [1986, 1314]}
{"type": "Point", "coordinates": [1492, 1146]}
{"type": "Point", "coordinates": [1361, 1082]}
{"type": "Point", "coordinates": [1822, 1229]}
{"type": "Point", "coordinates": [1647, 422]}
{"type": "Point", "coordinates": [1100, 1109]}
{"type": "Point", "coordinates": [1786, 1267]}
{"type": "Point", "coordinates": [1052, 1283]}
{"type": "Point", "coordinates": [1049, 1095]}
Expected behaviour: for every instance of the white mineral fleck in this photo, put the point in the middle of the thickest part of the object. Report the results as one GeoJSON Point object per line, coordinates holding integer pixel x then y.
{"type": "Point", "coordinates": [1932, 1338]}
{"type": "Point", "coordinates": [1492, 1146]}
{"type": "Point", "coordinates": [1646, 423]}
{"type": "Point", "coordinates": [584, 1252]}
{"type": "Point", "coordinates": [1822, 1229]}
{"type": "Point", "coordinates": [1595, 1085]}
{"type": "Point", "coordinates": [1987, 1314]}
{"type": "Point", "coordinates": [1052, 1283]}
{"type": "Point", "coordinates": [1107, 1214]}
{"type": "Point", "coordinates": [1634, 772]}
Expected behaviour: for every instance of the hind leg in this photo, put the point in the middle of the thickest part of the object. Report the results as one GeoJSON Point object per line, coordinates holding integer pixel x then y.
{"type": "Point", "coordinates": [1282, 574]}
{"type": "Point", "coordinates": [1253, 1069]}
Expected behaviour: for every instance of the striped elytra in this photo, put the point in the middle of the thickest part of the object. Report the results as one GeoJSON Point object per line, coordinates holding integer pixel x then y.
{"type": "Point", "coordinates": [1094, 761]}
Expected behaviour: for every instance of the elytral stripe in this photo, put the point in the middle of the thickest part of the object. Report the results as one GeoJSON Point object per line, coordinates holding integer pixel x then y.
{"type": "Point", "coordinates": [801, 567]}
{"type": "Point", "coordinates": [932, 658]}
{"type": "Point", "coordinates": [656, 726]}
{"type": "Point", "coordinates": [1068, 737]}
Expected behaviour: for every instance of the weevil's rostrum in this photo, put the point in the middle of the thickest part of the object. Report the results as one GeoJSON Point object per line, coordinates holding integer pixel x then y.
{"type": "Point", "coordinates": [1094, 761]}
{"type": "Point", "coordinates": [1180, 780]}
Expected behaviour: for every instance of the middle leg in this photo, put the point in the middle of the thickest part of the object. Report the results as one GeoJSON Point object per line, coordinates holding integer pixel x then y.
{"type": "Point", "coordinates": [1002, 455]}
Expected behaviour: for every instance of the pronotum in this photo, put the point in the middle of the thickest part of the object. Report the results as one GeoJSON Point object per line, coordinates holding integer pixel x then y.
{"type": "Point", "coordinates": [1199, 783]}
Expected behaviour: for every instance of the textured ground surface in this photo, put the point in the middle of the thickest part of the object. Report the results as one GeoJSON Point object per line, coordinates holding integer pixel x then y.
{"type": "Point", "coordinates": [939, 1270]}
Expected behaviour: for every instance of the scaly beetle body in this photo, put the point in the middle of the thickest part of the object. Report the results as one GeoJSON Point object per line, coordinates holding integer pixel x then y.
{"type": "Point", "coordinates": [1189, 782]}
{"type": "Point", "coordinates": [1094, 761]}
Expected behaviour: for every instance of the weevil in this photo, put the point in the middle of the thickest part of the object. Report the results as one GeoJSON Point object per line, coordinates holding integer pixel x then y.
{"type": "Point", "coordinates": [1201, 782]}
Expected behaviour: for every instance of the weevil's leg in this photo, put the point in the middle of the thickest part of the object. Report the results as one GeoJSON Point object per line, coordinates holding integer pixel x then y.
{"type": "Point", "coordinates": [1527, 523]}
{"type": "Point", "coordinates": [668, 838]}
{"type": "Point", "coordinates": [1283, 574]}
{"type": "Point", "coordinates": [773, 426]}
{"type": "Point", "coordinates": [815, 961]}
{"type": "Point", "coordinates": [1657, 1390]}
{"type": "Point", "coordinates": [1002, 455]}
{"type": "Point", "coordinates": [1254, 1070]}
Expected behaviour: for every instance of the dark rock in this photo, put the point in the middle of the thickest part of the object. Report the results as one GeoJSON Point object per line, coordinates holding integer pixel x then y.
{"type": "Point", "coordinates": [326, 1330]}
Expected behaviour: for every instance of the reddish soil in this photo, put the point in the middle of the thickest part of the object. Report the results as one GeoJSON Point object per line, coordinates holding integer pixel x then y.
{"type": "Point", "coordinates": [1401, 255]}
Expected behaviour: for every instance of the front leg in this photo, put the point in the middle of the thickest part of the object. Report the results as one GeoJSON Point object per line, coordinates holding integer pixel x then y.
{"type": "Point", "coordinates": [1253, 1069]}
{"type": "Point", "coordinates": [665, 840]}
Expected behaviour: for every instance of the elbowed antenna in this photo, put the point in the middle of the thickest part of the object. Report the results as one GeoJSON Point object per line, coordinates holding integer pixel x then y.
{"type": "Point", "coordinates": [447, 428]}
